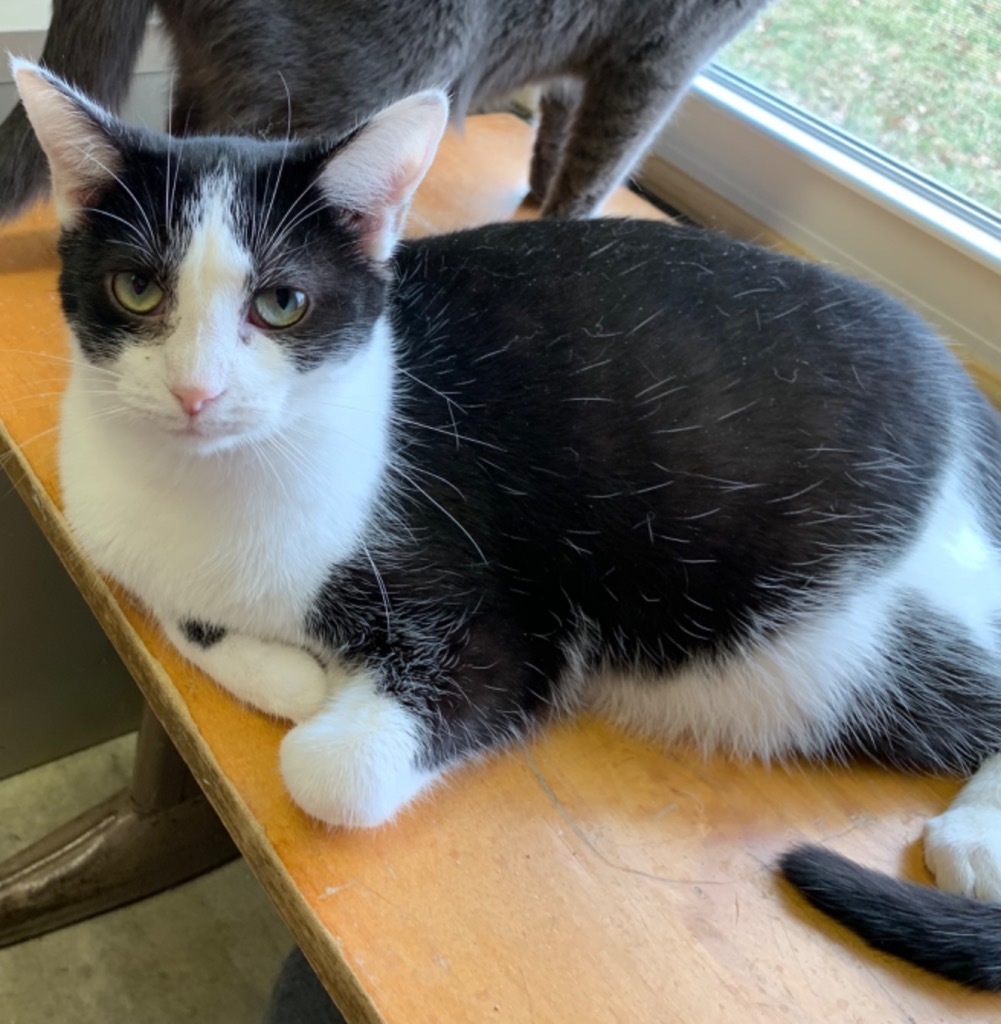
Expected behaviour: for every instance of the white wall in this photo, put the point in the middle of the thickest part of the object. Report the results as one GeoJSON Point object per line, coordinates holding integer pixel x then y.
{"type": "Point", "coordinates": [23, 24]}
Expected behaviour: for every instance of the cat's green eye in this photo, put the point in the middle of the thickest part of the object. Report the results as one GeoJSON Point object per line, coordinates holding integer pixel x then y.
{"type": "Point", "coordinates": [278, 307]}
{"type": "Point", "coordinates": [136, 292]}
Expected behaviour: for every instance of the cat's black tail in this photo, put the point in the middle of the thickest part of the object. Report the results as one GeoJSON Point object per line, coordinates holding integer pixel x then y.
{"type": "Point", "coordinates": [92, 43]}
{"type": "Point", "coordinates": [952, 936]}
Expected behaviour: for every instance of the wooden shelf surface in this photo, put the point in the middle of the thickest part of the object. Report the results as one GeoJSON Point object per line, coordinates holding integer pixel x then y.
{"type": "Point", "coordinates": [586, 878]}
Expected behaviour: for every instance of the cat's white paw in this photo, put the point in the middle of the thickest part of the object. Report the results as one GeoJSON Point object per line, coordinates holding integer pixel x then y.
{"type": "Point", "coordinates": [287, 682]}
{"type": "Point", "coordinates": [963, 851]}
{"type": "Point", "coordinates": [963, 845]}
{"type": "Point", "coordinates": [355, 763]}
{"type": "Point", "coordinates": [280, 680]}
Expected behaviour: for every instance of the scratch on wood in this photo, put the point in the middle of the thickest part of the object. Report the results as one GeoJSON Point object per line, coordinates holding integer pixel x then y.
{"type": "Point", "coordinates": [592, 846]}
{"type": "Point", "coordinates": [333, 890]}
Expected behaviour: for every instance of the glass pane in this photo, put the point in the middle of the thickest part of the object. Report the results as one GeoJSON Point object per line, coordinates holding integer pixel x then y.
{"type": "Point", "coordinates": [918, 79]}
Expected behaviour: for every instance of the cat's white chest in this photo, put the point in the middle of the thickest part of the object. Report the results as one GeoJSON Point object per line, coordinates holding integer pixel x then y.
{"type": "Point", "coordinates": [239, 540]}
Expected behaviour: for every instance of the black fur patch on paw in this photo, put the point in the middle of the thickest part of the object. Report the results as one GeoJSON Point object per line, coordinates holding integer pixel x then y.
{"type": "Point", "coordinates": [201, 633]}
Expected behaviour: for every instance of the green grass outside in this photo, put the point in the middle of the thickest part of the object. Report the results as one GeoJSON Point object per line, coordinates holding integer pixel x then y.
{"type": "Point", "coordinates": [919, 79]}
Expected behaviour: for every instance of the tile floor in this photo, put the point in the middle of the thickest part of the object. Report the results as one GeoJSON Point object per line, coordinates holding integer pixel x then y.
{"type": "Point", "coordinates": [208, 951]}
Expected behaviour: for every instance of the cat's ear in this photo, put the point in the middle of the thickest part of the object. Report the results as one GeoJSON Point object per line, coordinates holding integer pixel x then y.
{"type": "Point", "coordinates": [375, 175]}
{"type": "Point", "coordinates": [76, 135]}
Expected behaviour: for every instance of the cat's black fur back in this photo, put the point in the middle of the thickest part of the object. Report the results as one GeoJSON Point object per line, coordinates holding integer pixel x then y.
{"type": "Point", "coordinates": [736, 432]}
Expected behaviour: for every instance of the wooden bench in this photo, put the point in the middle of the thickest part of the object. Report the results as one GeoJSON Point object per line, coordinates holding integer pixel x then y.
{"type": "Point", "coordinates": [587, 877]}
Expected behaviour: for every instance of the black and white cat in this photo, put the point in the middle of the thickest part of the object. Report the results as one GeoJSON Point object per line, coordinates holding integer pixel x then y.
{"type": "Point", "coordinates": [611, 70]}
{"type": "Point", "coordinates": [419, 498]}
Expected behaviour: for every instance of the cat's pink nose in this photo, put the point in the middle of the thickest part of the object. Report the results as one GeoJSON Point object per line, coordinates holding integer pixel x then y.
{"type": "Point", "coordinates": [194, 400]}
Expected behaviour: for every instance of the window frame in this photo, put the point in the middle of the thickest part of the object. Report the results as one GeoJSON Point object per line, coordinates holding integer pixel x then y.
{"type": "Point", "coordinates": [737, 158]}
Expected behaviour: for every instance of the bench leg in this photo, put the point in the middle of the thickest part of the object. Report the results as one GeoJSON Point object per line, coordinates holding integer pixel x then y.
{"type": "Point", "coordinates": [158, 833]}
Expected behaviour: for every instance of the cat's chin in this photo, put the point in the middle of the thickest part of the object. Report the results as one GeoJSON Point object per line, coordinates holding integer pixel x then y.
{"type": "Point", "coordinates": [212, 442]}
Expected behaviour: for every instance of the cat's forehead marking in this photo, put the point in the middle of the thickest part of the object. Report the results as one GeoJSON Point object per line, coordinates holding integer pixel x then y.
{"type": "Point", "coordinates": [215, 260]}
{"type": "Point", "coordinates": [211, 292]}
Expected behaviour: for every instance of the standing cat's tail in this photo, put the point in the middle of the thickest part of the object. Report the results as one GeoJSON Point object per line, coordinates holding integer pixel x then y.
{"type": "Point", "coordinates": [94, 45]}
{"type": "Point", "coordinates": [952, 936]}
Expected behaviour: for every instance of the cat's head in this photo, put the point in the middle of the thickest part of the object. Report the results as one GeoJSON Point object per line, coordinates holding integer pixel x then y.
{"type": "Point", "coordinates": [208, 281]}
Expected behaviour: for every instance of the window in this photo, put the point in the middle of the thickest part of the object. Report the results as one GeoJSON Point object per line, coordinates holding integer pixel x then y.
{"type": "Point", "coordinates": [740, 154]}
{"type": "Point", "coordinates": [917, 79]}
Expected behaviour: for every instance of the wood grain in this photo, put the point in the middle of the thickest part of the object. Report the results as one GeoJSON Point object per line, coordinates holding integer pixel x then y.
{"type": "Point", "coordinates": [586, 877]}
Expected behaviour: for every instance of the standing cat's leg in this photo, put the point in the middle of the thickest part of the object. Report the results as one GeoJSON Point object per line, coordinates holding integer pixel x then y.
{"type": "Point", "coordinates": [631, 90]}
{"type": "Point", "coordinates": [618, 115]}
{"type": "Point", "coordinates": [963, 845]}
{"type": "Point", "coordinates": [280, 680]}
{"type": "Point", "coordinates": [556, 107]}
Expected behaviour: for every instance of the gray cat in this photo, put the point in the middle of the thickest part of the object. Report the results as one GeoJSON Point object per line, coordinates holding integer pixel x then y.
{"type": "Point", "coordinates": [611, 71]}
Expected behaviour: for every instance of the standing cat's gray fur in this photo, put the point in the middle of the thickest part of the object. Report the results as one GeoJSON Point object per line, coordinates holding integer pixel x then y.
{"type": "Point", "coordinates": [612, 71]}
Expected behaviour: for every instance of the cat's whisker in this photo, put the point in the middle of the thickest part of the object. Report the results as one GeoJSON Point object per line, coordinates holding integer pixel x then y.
{"type": "Point", "coordinates": [104, 376]}
{"type": "Point", "coordinates": [407, 422]}
{"type": "Point", "coordinates": [382, 590]}
{"type": "Point", "coordinates": [35, 382]}
{"type": "Point", "coordinates": [285, 149]}
{"type": "Point", "coordinates": [20, 445]}
{"type": "Point", "coordinates": [284, 228]}
{"type": "Point", "coordinates": [35, 354]}
{"type": "Point", "coordinates": [259, 451]}
{"type": "Point", "coordinates": [441, 394]}
{"type": "Point", "coordinates": [304, 430]}
{"type": "Point", "coordinates": [114, 393]}
{"type": "Point", "coordinates": [108, 412]}
{"type": "Point", "coordinates": [297, 443]}
{"type": "Point", "coordinates": [150, 234]}
{"type": "Point", "coordinates": [145, 247]}
{"type": "Point", "coordinates": [177, 172]}
{"type": "Point", "coordinates": [396, 468]}
{"type": "Point", "coordinates": [435, 476]}
{"type": "Point", "coordinates": [247, 210]}
{"type": "Point", "coordinates": [275, 262]}
{"type": "Point", "coordinates": [166, 179]}
{"type": "Point", "coordinates": [292, 207]}
{"type": "Point", "coordinates": [59, 382]}
{"type": "Point", "coordinates": [125, 244]}
{"type": "Point", "coordinates": [328, 403]}
{"type": "Point", "coordinates": [9, 401]}
{"type": "Point", "coordinates": [295, 215]}
{"type": "Point", "coordinates": [291, 454]}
